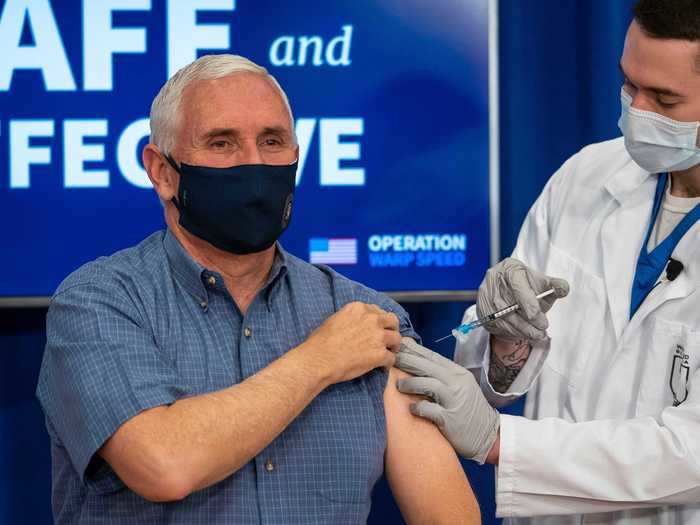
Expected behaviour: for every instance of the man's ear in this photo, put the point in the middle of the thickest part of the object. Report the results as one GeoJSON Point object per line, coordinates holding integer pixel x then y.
{"type": "Point", "coordinates": [163, 176]}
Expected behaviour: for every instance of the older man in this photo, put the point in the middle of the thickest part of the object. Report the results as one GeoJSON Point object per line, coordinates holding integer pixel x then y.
{"type": "Point", "coordinates": [205, 375]}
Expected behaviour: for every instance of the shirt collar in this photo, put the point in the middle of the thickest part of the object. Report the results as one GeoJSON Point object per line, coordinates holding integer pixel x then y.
{"type": "Point", "coordinates": [629, 181]}
{"type": "Point", "coordinates": [193, 275]}
{"type": "Point", "coordinates": [188, 272]}
{"type": "Point", "coordinates": [277, 272]}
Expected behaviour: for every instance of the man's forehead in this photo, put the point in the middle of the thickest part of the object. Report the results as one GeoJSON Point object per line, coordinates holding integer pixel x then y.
{"type": "Point", "coordinates": [241, 81]}
{"type": "Point", "coordinates": [667, 63]}
{"type": "Point", "coordinates": [672, 52]}
{"type": "Point", "coordinates": [238, 101]}
{"type": "Point", "coordinates": [238, 90]}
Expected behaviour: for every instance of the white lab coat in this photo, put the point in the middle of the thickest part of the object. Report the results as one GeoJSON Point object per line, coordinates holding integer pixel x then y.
{"type": "Point", "coordinates": [600, 435]}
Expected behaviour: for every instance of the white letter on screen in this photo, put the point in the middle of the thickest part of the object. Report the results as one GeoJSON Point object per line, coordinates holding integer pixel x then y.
{"type": "Point", "coordinates": [186, 36]}
{"type": "Point", "coordinates": [310, 41]}
{"type": "Point", "coordinates": [128, 155]}
{"type": "Point", "coordinates": [76, 152]}
{"type": "Point", "coordinates": [345, 41]}
{"type": "Point", "coordinates": [47, 54]}
{"type": "Point", "coordinates": [22, 154]}
{"type": "Point", "coordinates": [333, 151]}
{"type": "Point", "coordinates": [286, 42]}
{"type": "Point", "coordinates": [305, 132]}
{"type": "Point", "coordinates": [101, 41]}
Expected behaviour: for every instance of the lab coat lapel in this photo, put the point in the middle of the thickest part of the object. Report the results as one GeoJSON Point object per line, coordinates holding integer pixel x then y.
{"type": "Point", "coordinates": [687, 281]}
{"type": "Point", "coordinates": [622, 235]}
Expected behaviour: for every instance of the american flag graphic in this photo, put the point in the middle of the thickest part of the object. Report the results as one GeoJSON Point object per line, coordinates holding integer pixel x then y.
{"type": "Point", "coordinates": [333, 251]}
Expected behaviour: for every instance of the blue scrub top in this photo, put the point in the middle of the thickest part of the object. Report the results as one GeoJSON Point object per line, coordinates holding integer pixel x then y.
{"type": "Point", "coordinates": [651, 264]}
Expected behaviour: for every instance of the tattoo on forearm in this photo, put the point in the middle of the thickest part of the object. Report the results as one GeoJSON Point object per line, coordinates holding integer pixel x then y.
{"type": "Point", "coordinates": [507, 363]}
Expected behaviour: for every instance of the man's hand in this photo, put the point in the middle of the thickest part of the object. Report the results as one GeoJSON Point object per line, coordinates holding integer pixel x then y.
{"type": "Point", "coordinates": [358, 338]}
{"type": "Point", "coordinates": [458, 407]}
{"type": "Point", "coordinates": [511, 282]}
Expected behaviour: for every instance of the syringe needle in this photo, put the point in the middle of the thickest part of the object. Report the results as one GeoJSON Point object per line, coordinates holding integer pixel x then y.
{"type": "Point", "coordinates": [443, 338]}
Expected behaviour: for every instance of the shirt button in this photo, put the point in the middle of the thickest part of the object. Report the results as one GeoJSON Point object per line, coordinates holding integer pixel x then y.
{"type": "Point", "coordinates": [269, 465]}
{"type": "Point", "coordinates": [247, 332]}
{"type": "Point", "coordinates": [211, 280]}
{"type": "Point", "coordinates": [203, 304]}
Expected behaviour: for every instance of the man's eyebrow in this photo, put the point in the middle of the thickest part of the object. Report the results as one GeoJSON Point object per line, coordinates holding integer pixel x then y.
{"type": "Point", "coordinates": [233, 132]}
{"type": "Point", "coordinates": [657, 90]}
{"type": "Point", "coordinates": [219, 132]}
{"type": "Point", "coordinates": [275, 130]}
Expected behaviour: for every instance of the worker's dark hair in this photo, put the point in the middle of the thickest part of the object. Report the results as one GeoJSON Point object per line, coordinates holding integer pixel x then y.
{"type": "Point", "coordinates": [674, 19]}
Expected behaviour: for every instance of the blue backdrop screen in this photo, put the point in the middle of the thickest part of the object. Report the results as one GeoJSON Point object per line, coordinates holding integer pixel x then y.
{"type": "Point", "coordinates": [391, 105]}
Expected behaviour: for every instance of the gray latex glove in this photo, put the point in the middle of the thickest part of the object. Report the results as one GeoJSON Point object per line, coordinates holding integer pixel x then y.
{"type": "Point", "coordinates": [511, 282]}
{"type": "Point", "coordinates": [458, 408]}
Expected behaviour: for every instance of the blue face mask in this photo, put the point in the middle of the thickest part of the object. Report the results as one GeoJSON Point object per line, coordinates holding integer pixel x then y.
{"type": "Point", "coordinates": [656, 143]}
{"type": "Point", "coordinates": [241, 209]}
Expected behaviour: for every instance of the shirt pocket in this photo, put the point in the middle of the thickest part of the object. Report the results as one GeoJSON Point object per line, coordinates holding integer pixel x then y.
{"type": "Point", "coordinates": [576, 321]}
{"type": "Point", "coordinates": [670, 361]}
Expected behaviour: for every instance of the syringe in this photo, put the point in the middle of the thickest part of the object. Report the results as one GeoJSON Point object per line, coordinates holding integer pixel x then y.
{"type": "Point", "coordinates": [465, 328]}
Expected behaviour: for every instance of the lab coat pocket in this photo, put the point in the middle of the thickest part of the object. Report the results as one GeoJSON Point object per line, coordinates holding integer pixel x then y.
{"type": "Point", "coordinates": [668, 365]}
{"type": "Point", "coordinates": [576, 321]}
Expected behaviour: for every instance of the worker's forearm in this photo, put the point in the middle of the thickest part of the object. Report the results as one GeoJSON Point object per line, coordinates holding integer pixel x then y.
{"type": "Point", "coordinates": [506, 360]}
{"type": "Point", "coordinates": [215, 434]}
{"type": "Point", "coordinates": [617, 476]}
{"type": "Point", "coordinates": [495, 452]}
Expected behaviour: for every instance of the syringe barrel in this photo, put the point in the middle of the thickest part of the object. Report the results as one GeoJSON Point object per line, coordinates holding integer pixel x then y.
{"type": "Point", "coordinates": [506, 311]}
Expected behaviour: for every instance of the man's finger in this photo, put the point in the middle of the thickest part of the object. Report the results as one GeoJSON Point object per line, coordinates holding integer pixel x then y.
{"type": "Point", "coordinates": [561, 287]}
{"type": "Point", "coordinates": [520, 328]}
{"type": "Point", "coordinates": [429, 387]}
{"type": "Point", "coordinates": [392, 340]}
{"type": "Point", "coordinates": [420, 366]}
{"type": "Point", "coordinates": [389, 359]}
{"type": "Point", "coordinates": [410, 346]}
{"type": "Point", "coordinates": [430, 411]}
{"type": "Point", "coordinates": [525, 297]}
{"type": "Point", "coordinates": [374, 308]}
{"type": "Point", "coordinates": [390, 321]}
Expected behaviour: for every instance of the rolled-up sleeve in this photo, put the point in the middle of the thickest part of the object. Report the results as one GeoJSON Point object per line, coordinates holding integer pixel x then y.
{"type": "Point", "coordinates": [101, 367]}
{"type": "Point", "coordinates": [405, 325]}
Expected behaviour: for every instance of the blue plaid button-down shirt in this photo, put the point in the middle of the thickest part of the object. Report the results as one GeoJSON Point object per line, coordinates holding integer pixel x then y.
{"type": "Point", "coordinates": [148, 326]}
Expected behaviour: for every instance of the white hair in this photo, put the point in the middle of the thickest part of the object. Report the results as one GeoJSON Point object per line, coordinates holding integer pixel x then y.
{"type": "Point", "coordinates": [165, 109]}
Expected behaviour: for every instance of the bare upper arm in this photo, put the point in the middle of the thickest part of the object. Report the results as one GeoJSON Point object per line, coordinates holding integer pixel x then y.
{"type": "Point", "coordinates": [423, 470]}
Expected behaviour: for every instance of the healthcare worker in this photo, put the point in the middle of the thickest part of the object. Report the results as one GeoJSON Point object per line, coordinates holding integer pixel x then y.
{"type": "Point", "coordinates": [611, 432]}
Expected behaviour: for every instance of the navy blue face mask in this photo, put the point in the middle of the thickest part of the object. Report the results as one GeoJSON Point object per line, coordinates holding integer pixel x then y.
{"type": "Point", "coordinates": [241, 209]}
